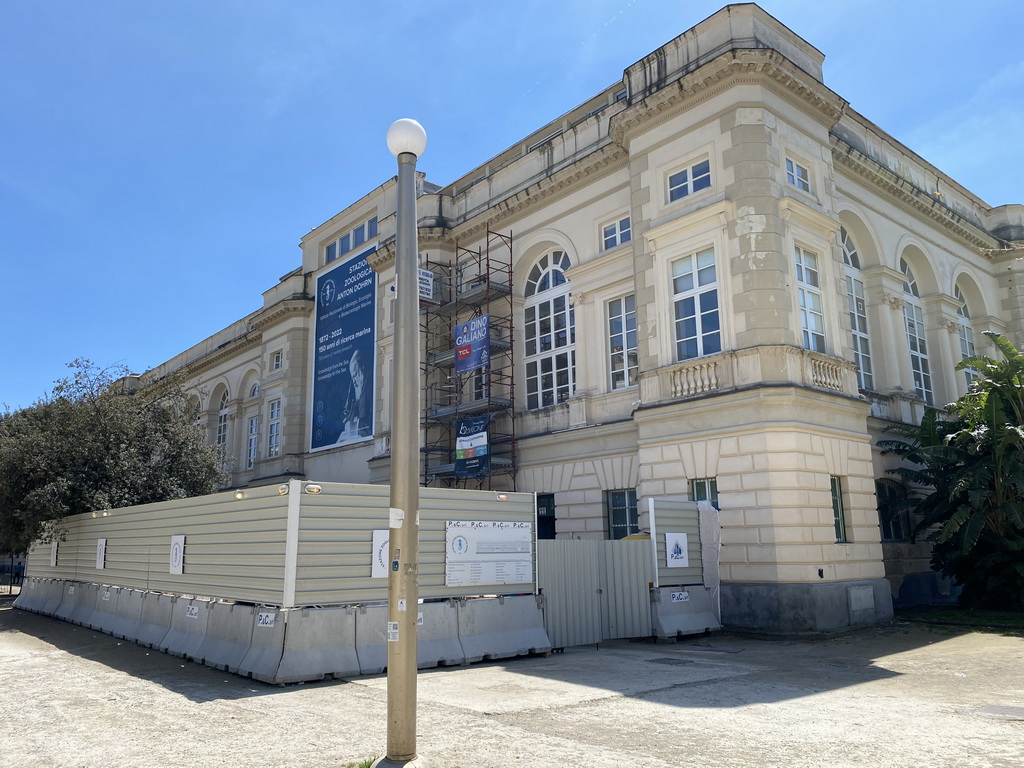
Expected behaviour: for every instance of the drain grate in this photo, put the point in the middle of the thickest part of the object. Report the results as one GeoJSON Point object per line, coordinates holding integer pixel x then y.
{"type": "Point", "coordinates": [670, 661]}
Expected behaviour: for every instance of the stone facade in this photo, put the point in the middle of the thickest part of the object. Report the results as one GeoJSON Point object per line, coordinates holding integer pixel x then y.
{"type": "Point", "coordinates": [798, 281]}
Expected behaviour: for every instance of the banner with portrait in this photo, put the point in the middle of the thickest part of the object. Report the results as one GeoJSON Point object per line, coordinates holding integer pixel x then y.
{"type": "Point", "coordinates": [344, 354]}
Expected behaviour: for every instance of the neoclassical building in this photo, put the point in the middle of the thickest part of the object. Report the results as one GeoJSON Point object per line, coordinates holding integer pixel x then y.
{"type": "Point", "coordinates": [714, 279]}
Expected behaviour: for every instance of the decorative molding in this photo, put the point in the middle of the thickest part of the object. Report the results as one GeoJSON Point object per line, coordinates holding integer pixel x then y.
{"type": "Point", "coordinates": [881, 178]}
{"type": "Point", "coordinates": [736, 67]}
{"type": "Point", "coordinates": [278, 312]}
{"type": "Point", "coordinates": [895, 301]}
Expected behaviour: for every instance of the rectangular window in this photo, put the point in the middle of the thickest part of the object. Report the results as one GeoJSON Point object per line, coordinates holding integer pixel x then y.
{"type": "Point", "coordinates": [798, 176]}
{"type": "Point", "coordinates": [616, 233]}
{"type": "Point", "coordinates": [623, 363]}
{"type": "Point", "coordinates": [689, 180]}
{"type": "Point", "coordinates": [481, 384]}
{"type": "Point", "coordinates": [278, 361]}
{"type": "Point", "coordinates": [254, 442]}
{"type": "Point", "coordinates": [705, 489]}
{"type": "Point", "coordinates": [838, 512]}
{"type": "Point", "coordinates": [359, 234]}
{"type": "Point", "coordinates": [695, 305]}
{"type": "Point", "coordinates": [919, 365]}
{"type": "Point", "coordinates": [274, 429]}
{"type": "Point", "coordinates": [622, 515]}
{"type": "Point", "coordinates": [859, 329]}
{"type": "Point", "coordinates": [812, 316]}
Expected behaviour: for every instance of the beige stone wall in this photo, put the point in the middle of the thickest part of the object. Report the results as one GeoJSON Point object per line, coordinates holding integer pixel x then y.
{"type": "Point", "coordinates": [770, 420]}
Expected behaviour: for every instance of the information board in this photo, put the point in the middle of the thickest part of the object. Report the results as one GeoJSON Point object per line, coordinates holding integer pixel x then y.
{"type": "Point", "coordinates": [488, 552]}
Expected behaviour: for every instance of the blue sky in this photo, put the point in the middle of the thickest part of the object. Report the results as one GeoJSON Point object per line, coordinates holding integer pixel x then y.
{"type": "Point", "coordinates": [159, 162]}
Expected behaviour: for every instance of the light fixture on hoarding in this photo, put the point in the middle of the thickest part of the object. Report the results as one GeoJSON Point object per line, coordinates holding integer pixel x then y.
{"type": "Point", "coordinates": [283, 489]}
{"type": "Point", "coordinates": [239, 495]}
{"type": "Point", "coordinates": [312, 488]}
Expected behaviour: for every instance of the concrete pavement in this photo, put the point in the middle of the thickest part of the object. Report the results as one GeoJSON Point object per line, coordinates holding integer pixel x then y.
{"type": "Point", "coordinates": [901, 695]}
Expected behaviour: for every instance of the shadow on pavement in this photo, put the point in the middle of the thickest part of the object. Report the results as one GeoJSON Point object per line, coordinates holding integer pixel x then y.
{"type": "Point", "coordinates": [705, 671]}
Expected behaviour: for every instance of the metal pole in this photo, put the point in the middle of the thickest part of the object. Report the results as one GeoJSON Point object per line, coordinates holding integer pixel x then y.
{"type": "Point", "coordinates": [403, 574]}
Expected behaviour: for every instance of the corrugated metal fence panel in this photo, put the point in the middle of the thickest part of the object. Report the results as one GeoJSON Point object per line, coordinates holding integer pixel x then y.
{"type": "Point", "coordinates": [675, 515]}
{"type": "Point", "coordinates": [336, 540]}
{"type": "Point", "coordinates": [569, 573]}
{"type": "Point", "coordinates": [234, 548]}
{"type": "Point", "coordinates": [626, 580]}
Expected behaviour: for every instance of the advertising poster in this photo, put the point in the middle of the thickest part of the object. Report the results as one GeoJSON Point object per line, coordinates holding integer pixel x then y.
{"type": "Point", "coordinates": [381, 553]}
{"type": "Point", "coordinates": [473, 344]}
{"type": "Point", "coordinates": [472, 457]}
{"type": "Point", "coordinates": [487, 552]}
{"type": "Point", "coordinates": [676, 555]}
{"type": "Point", "coordinates": [344, 354]}
{"type": "Point", "coordinates": [177, 562]}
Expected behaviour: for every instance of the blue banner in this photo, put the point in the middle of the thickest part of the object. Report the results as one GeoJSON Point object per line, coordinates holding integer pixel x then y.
{"type": "Point", "coordinates": [472, 456]}
{"type": "Point", "coordinates": [473, 344]}
{"type": "Point", "coordinates": [344, 354]}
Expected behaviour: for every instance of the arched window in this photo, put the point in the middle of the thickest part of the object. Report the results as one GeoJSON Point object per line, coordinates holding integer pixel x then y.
{"type": "Point", "coordinates": [893, 518]}
{"type": "Point", "coordinates": [255, 391]}
{"type": "Point", "coordinates": [913, 318]}
{"type": "Point", "coordinates": [966, 333]}
{"type": "Point", "coordinates": [855, 298]}
{"type": "Point", "coordinates": [222, 427]}
{"type": "Point", "coordinates": [550, 333]}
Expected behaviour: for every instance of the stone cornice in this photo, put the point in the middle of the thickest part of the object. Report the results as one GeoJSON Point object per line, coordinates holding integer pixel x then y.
{"type": "Point", "coordinates": [579, 171]}
{"type": "Point", "coordinates": [276, 313]}
{"type": "Point", "coordinates": [757, 66]}
{"type": "Point", "coordinates": [882, 179]}
{"type": "Point", "coordinates": [227, 349]}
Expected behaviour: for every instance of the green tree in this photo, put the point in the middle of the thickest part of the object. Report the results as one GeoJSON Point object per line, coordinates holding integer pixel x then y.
{"type": "Point", "coordinates": [971, 462]}
{"type": "Point", "coordinates": [98, 441]}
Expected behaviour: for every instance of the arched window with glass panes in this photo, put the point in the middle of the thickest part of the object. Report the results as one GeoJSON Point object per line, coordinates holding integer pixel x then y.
{"type": "Point", "coordinates": [857, 305]}
{"type": "Point", "coordinates": [965, 332]}
{"type": "Point", "coordinates": [549, 331]}
{"type": "Point", "coordinates": [913, 319]}
{"type": "Point", "coordinates": [222, 428]}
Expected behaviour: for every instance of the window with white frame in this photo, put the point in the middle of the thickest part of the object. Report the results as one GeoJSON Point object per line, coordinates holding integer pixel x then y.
{"type": "Point", "coordinates": [689, 180]}
{"type": "Point", "coordinates": [965, 332]}
{"type": "Point", "coordinates": [277, 361]}
{"type": "Point", "coordinates": [254, 442]}
{"type": "Point", "coordinates": [362, 232]}
{"type": "Point", "coordinates": [550, 333]}
{"type": "Point", "coordinates": [616, 233]}
{"type": "Point", "coordinates": [704, 489]}
{"type": "Point", "coordinates": [913, 319]}
{"type": "Point", "coordinates": [274, 429]}
{"type": "Point", "coordinates": [857, 305]}
{"type": "Point", "coordinates": [623, 363]}
{"type": "Point", "coordinates": [222, 428]}
{"type": "Point", "coordinates": [698, 328]}
{"type": "Point", "coordinates": [812, 315]}
{"type": "Point", "coordinates": [623, 519]}
{"type": "Point", "coordinates": [481, 384]}
{"type": "Point", "coordinates": [255, 391]}
{"type": "Point", "coordinates": [797, 175]}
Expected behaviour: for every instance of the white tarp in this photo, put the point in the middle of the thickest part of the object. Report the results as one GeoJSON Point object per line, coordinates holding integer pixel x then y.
{"type": "Point", "coordinates": [710, 551]}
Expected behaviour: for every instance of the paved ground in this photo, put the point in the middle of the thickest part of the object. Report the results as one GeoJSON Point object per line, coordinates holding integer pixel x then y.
{"type": "Point", "coordinates": [903, 695]}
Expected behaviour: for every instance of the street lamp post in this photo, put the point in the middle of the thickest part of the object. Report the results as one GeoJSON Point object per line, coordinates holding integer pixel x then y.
{"type": "Point", "coordinates": [406, 141]}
